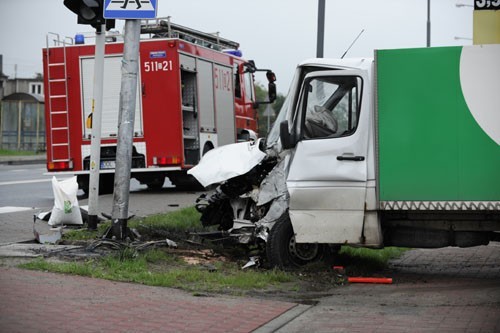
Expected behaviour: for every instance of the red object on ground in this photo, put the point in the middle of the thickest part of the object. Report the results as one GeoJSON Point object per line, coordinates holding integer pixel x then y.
{"type": "Point", "coordinates": [369, 280]}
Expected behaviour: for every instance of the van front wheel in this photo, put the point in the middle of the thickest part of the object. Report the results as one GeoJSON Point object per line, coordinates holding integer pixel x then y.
{"type": "Point", "coordinates": [283, 251]}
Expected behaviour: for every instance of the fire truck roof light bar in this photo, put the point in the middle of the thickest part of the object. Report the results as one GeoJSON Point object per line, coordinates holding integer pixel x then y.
{"type": "Point", "coordinates": [164, 28]}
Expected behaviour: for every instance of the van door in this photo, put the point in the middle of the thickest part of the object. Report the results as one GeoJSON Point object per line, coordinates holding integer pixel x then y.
{"type": "Point", "coordinates": [327, 173]}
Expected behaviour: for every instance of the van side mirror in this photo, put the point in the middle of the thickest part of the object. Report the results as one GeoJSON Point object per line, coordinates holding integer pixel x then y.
{"type": "Point", "coordinates": [287, 140]}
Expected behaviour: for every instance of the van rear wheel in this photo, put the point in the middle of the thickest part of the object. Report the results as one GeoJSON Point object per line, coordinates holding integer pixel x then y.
{"type": "Point", "coordinates": [284, 252]}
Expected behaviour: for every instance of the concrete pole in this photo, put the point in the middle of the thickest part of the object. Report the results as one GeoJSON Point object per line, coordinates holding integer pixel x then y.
{"type": "Point", "coordinates": [130, 66]}
{"type": "Point", "coordinates": [95, 143]}
{"type": "Point", "coordinates": [321, 29]}
{"type": "Point", "coordinates": [19, 121]}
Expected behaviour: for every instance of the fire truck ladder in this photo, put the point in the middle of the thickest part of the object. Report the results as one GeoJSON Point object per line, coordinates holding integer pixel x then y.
{"type": "Point", "coordinates": [162, 27]}
{"type": "Point", "coordinates": [58, 100]}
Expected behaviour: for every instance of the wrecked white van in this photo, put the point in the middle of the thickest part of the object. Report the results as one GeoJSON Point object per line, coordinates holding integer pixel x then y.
{"type": "Point", "coordinates": [401, 150]}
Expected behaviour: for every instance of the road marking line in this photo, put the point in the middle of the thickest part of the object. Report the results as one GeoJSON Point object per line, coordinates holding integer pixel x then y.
{"type": "Point", "coordinates": [10, 209]}
{"type": "Point", "coordinates": [15, 182]}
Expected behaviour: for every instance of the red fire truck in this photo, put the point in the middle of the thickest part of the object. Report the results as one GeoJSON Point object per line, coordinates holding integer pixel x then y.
{"type": "Point", "coordinates": [194, 93]}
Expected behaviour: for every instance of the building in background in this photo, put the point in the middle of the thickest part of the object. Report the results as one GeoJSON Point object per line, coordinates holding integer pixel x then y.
{"type": "Point", "coordinates": [486, 21]}
{"type": "Point", "coordinates": [22, 120]}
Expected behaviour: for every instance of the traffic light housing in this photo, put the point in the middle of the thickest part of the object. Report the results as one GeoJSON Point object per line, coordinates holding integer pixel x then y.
{"type": "Point", "coordinates": [90, 12]}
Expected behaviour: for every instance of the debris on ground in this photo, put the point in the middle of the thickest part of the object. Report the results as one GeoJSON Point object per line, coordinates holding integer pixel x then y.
{"type": "Point", "coordinates": [340, 271]}
{"type": "Point", "coordinates": [136, 246]}
{"type": "Point", "coordinates": [52, 236]}
{"type": "Point", "coordinates": [360, 279]}
{"type": "Point", "coordinates": [200, 257]}
{"type": "Point", "coordinates": [253, 262]}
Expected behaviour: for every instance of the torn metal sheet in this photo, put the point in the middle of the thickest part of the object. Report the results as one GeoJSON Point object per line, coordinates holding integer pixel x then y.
{"type": "Point", "coordinates": [227, 162]}
{"type": "Point", "coordinates": [273, 190]}
{"type": "Point", "coordinates": [274, 185]}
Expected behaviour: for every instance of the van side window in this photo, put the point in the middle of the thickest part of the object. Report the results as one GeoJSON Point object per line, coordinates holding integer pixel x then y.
{"type": "Point", "coordinates": [332, 107]}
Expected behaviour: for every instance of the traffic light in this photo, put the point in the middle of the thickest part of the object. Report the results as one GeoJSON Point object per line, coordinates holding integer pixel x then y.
{"type": "Point", "coordinates": [90, 12]}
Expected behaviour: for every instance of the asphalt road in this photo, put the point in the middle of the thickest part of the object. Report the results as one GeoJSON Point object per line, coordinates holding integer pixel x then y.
{"type": "Point", "coordinates": [25, 191]}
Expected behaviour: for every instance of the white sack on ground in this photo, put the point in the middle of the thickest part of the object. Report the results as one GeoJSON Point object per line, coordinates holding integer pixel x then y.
{"type": "Point", "coordinates": [66, 209]}
{"type": "Point", "coordinates": [226, 162]}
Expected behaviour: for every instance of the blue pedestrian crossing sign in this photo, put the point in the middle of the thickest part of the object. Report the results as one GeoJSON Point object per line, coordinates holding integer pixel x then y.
{"type": "Point", "coordinates": [130, 9]}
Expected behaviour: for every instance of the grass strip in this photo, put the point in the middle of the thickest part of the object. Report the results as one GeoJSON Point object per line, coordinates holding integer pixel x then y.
{"type": "Point", "coordinates": [4, 152]}
{"type": "Point", "coordinates": [149, 268]}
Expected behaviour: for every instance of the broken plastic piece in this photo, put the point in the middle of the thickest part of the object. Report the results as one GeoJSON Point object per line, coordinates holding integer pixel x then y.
{"type": "Point", "coordinates": [171, 243]}
{"type": "Point", "coordinates": [254, 261]}
{"type": "Point", "coordinates": [52, 236]}
{"type": "Point", "coordinates": [369, 280]}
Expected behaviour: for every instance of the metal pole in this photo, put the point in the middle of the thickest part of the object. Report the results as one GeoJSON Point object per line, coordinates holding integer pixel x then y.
{"type": "Point", "coordinates": [128, 92]}
{"type": "Point", "coordinates": [37, 127]}
{"type": "Point", "coordinates": [321, 28]}
{"type": "Point", "coordinates": [428, 23]}
{"type": "Point", "coordinates": [95, 143]}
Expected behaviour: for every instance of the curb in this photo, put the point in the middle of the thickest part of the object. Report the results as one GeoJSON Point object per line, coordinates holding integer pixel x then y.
{"type": "Point", "coordinates": [283, 319]}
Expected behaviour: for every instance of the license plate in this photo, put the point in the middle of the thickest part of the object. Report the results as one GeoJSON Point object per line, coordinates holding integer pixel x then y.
{"type": "Point", "coordinates": [107, 164]}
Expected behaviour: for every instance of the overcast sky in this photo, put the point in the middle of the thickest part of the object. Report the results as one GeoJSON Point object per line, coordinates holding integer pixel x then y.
{"type": "Point", "coordinates": [277, 34]}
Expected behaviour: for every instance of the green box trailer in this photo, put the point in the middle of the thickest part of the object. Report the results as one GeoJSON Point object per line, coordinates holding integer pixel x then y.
{"type": "Point", "coordinates": [438, 120]}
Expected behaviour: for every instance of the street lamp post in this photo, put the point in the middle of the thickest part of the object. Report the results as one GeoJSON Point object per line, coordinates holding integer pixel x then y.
{"type": "Point", "coordinates": [321, 28]}
{"type": "Point", "coordinates": [428, 23]}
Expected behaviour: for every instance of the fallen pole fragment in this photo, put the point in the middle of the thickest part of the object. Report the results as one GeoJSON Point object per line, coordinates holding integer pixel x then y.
{"type": "Point", "coordinates": [369, 280]}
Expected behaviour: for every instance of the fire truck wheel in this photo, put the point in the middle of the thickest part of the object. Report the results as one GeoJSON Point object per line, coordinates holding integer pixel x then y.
{"type": "Point", "coordinates": [156, 184]}
{"type": "Point", "coordinates": [282, 250]}
{"type": "Point", "coordinates": [106, 183]}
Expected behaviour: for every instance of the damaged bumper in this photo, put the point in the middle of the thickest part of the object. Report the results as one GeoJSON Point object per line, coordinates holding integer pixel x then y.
{"type": "Point", "coordinates": [251, 193]}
